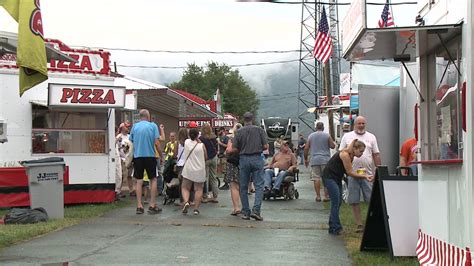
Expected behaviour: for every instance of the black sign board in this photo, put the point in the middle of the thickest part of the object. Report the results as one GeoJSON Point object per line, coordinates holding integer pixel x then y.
{"type": "Point", "coordinates": [375, 237]}
{"type": "Point", "coordinates": [401, 200]}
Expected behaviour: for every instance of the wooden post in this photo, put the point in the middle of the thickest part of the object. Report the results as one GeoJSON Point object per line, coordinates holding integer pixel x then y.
{"type": "Point", "coordinates": [327, 88]}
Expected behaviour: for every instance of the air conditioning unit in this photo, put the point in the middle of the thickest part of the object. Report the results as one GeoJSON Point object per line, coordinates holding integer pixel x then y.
{"type": "Point", "coordinates": [3, 131]}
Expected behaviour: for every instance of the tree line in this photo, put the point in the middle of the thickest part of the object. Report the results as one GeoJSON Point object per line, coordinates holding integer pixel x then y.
{"type": "Point", "coordinates": [237, 96]}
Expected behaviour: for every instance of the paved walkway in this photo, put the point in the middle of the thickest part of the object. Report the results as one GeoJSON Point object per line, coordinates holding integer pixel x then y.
{"type": "Point", "coordinates": [293, 232]}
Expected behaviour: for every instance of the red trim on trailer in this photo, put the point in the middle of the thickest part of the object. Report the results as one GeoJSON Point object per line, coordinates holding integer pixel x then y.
{"type": "Point", "coordinates": [451, 161]}
{"type": "Point", "coordinates": [463, 105]}
{"type": "Point", "coordinates": [17, 177]}
{"type": "Point", "coordinates": [19, 196]}
{"type": "Point", "coordinates": [14, 199]}
{"type": "Point", "coordinates": [416, 120]}
{"type": "Point", "coordinates": [89, 196]}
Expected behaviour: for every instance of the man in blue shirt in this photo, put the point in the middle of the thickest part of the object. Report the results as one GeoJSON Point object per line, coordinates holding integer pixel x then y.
{"type": "Point", "coordinates": [144, 136]}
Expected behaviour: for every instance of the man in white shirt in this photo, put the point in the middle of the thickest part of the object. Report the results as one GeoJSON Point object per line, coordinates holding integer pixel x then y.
{"type": "Point", "coordinates": [367, 162]}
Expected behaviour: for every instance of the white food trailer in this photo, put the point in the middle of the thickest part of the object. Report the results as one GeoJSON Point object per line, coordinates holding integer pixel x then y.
{"type": "Point", "coordinates": [71, 115]}
{"type": "Point", "coordinates": [439, 53]}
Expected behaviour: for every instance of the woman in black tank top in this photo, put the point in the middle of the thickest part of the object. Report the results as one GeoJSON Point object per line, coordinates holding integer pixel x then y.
{"type": "Point", "coordinates": [340, 164]}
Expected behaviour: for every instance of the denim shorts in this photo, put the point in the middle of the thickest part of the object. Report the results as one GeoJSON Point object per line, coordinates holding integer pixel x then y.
{"type": "Point", "coordinates": [355, 186]}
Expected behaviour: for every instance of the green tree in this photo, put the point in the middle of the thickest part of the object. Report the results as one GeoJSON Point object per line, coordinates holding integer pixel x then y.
{"type": "Point", "coordinates": [238, 97]}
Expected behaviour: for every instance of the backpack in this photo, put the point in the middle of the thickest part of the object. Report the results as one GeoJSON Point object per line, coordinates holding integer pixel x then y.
{"type": "Point", "coordinates": [233, 158]}
{"type": "Point", "coordinates": [26, 216]}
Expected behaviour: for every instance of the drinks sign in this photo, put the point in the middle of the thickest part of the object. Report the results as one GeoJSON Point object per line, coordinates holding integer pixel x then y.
{"type": "Point", "coordinates": [223, 122]}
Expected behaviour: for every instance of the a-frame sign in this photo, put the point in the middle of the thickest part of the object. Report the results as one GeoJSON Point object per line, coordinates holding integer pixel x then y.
{"type": "Point", "coordinates": [392, 217]}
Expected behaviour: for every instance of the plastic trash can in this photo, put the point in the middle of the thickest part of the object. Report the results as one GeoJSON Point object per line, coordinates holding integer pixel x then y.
{"type": "Point", "coordinates": [46, 185]}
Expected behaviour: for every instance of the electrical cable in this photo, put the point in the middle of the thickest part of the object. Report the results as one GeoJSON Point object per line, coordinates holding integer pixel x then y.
{"type": "Point", "coordinates": [343, 4]}
{"type": "Point", "coordinates": [184, 67]}
{"type": "Point", "coordinates": [186, 52]}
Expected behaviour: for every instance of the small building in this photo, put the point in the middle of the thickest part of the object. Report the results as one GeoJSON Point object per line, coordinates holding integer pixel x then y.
{"type": "Point", "coordinates": [71, 115]}
{"type": "Point", "coordinates": [167, 106]}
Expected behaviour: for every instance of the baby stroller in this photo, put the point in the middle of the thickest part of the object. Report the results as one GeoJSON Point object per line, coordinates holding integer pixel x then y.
{"type": "Point", "coordinates": [287, 189]}
{"type": "Point", "coordinates": [171, 182]}
{"type": "Point", "coordinates": [171, 191]}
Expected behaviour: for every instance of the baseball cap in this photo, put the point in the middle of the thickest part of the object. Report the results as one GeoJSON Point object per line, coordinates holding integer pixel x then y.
{"type": "Point", "coordinates": [192, 124]}
{"type": "Point", "coordinates": [248, 116]}
{"type": "Point", "coordinates": [126, 124]}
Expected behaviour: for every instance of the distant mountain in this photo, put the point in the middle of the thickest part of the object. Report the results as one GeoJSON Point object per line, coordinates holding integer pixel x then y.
{"type": "Point", "coordinates": [280, 98]}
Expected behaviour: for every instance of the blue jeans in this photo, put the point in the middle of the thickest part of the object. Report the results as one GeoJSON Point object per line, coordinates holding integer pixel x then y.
{"type": "Point", "coordinates": [251, 164]}
{"type": "Point", "coordinates": [301, 155]}
{"type": "Point", "coordinates": [159, 177]}
{"type": "Point", "coordinates": [335, 194]}
{"type": "Point", "coordinates": [269, 174]}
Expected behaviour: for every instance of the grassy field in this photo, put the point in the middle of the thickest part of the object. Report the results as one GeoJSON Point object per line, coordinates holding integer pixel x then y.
{"type": "Point", "coordinates": [354, 239]}
{"type": "Point", "coordinates": [12, 234]}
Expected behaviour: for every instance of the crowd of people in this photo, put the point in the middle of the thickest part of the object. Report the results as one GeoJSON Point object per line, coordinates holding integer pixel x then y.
{"type": "Point", "coordinates": [199, 157]}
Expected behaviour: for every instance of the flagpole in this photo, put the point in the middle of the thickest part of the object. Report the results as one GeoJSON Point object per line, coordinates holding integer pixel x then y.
{"type": "Point", "coordinates": [350, 96]}
{"type": "Point", "coordinates": [327, 87]}
{"type": "Point", "coordinates": [391, 11]}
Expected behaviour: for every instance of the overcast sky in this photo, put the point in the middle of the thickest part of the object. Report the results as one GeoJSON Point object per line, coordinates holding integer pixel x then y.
{"type": "Point", "coordinates": [204, 25]}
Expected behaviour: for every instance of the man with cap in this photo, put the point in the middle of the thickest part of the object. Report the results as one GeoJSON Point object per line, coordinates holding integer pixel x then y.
{"type": "Point", "coordinates": [250, 141]}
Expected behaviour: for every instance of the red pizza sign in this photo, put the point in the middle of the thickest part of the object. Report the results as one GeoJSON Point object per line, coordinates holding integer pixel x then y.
{"type": "Point", "coordinates": [85, 96]}
{"type": "Point", "coordinates": [88, 61]}
{"type": "Point", "coordinates": [95, 62]}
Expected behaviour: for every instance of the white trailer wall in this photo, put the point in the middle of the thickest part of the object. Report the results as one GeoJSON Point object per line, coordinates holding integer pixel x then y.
{"type": "Point", "coordinates": [17, 113]}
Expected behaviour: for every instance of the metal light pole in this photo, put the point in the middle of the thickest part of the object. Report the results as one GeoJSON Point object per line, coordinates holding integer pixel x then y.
{"type": "Point", "coordinates": [311, 72]}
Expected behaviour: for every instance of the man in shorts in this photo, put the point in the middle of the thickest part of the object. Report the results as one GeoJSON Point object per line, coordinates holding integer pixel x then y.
{"type": "Point", "coordinates": [366, 163]}
{"type": "Point", "coordinates": [145, 136]}
{"type": "Point", "coordinates": [317, 153]}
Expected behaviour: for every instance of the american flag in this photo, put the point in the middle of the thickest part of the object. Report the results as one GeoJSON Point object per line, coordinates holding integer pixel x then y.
{"type": "Point", "coordinates": [386, 19]}
{"type": "Point", "coordinates": [323, 43]}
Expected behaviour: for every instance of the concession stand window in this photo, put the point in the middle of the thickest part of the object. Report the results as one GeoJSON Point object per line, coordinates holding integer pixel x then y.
{"type": "Point", "coordinates": [75, 119]}
{"type": "Point", "coordinates": [438, 52]}
{"type": "Point", "coordinates": [67, 131]}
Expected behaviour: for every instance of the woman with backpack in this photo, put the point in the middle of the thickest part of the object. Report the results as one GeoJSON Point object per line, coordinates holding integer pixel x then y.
{"type": "Point", "coordinates": [210, 142]}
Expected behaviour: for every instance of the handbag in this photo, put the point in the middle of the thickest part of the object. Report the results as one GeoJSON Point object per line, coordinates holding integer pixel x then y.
{"type": "Point", "coordinates": [233, 158]}
{"type": "Point", "coordinates": [175, 167]}
{"type": "Point", "coordinates": [187, 157]}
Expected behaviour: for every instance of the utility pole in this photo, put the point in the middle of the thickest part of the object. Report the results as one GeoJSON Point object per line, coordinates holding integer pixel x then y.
{"type": "Point", "coordinates": [328, 92]}
{"type": "Point", "coordinates": [310, 85]}
{"type": "Point", "coordinates": [336, 50]}
{"type": "Point", "coordinates": [313, 74]}
{"type": "Point", "coordinates": [334, 67]}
